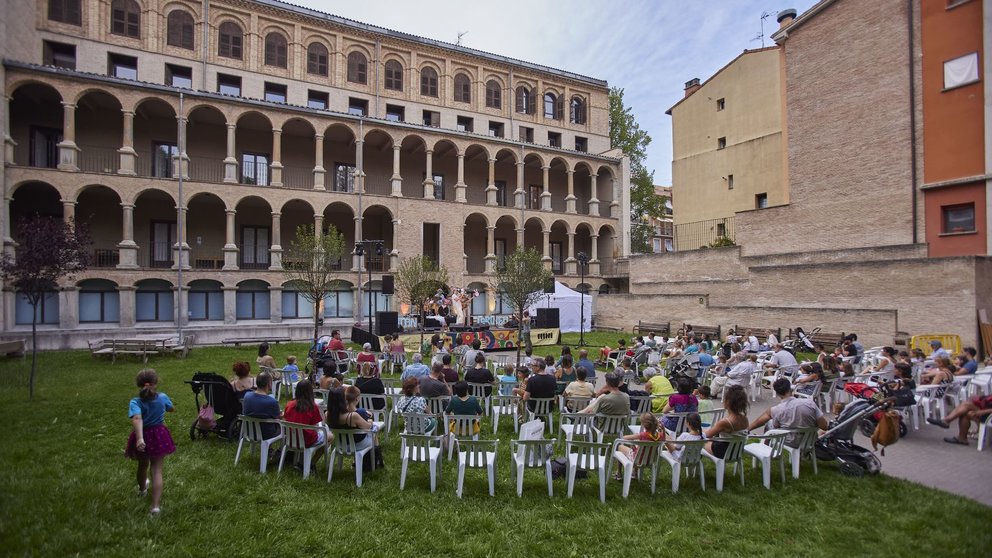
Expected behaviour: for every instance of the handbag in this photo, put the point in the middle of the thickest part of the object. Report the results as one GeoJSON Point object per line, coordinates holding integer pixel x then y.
{"type": "Point", "coordinates": [207, 418]}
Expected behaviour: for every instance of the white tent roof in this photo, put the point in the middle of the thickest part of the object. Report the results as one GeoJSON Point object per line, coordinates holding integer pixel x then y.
{"type": "Point", "coordinates": [570, 305]}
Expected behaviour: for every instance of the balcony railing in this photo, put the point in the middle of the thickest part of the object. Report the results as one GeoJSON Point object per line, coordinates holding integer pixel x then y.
{"type": "Point", "coordinates": [297, 178]}
{"type": "Point", "coordinates": [614, 267]}
{"type": "Point", "coordinates": [98, 159]}
{"type": "Point", "coordinates": [377, 264]}
{"type": "Point", "coordinates": [256, 173]}
{"type": "Point", "coordinates": [700, 234]}
{"type": "Point", "coordinates": [378, 185]}
{"type": "Point", "coordinates": [253, 256]}
{"type": "Point", "coordinates": [105, 257]}
{"type": "Point", "coordinates": [159, 254]}
{"type": "Point", "coordinates": [206, 169]}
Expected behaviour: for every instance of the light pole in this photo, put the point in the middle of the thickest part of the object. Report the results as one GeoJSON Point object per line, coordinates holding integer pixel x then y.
{"type": "Point", "coordinates": [583, 262]}
{"type": "Point", "coordinates": [360, 249]}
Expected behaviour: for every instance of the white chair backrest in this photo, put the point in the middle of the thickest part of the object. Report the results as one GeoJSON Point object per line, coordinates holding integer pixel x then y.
{"type": "Point", "coordinates": [416, 423]}
{"type": "Point", "coordinates": [735, 447]}
{"type": "Point", "coordinates": [692, 451]}
{"type": "Point", "coordinates": [712, 416]}
{"type": "Point", "coordinates": [582, 423]}
{"type": "Point", "coordinates": [640, 404]}
{"type": "Point", "coordinates": [479, 390]}
{"type": "Point", "coordinates": [533, 453]}
{"type": "Point", "coordinates": [436, 405]}
{"type": "Point", "coordinates": [611, 425]}
{"type": "Point", "coordinates": [590, 455]}
{"type": "Point", "coordinates": [475, 453]}
{"type": "Point", "coordinates": [293, 434]}
{"type": "Point", "coordinates": [541, 405]}
{"type": "Point", "coordinates": [417, 447]}
{"type": "Point", "coordinates": [373, 403]}
{"type": "Point", "coordinates": [251, 428]}
{"type": "Point", "coordinates": [679, 424]}
{"type": "Point", "coordinates": [462, 425]}
{"type": "Point", "coordinates": [776, 442]}
{"type": "Point", "coordinates": [574, 403]}
{"type": "Point", "coordinates": [647, 452]}
{"type": "Point", "coordinates": [506, 404]}
{"type": "Point", "coordinates": [344, 439]}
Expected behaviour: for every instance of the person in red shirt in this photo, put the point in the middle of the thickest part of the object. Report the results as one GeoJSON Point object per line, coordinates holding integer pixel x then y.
{"type": "Point", "coordinates": [303, 410]}
{"type": "Point", "coordinates": [336, 344]}
{"type": "Point", "coordinates": [368, 356]}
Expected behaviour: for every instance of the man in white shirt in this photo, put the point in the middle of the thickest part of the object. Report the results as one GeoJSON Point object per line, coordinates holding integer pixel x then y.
{"type": "Point", "coordinates": [781, 358]}
{"type": "Point", "coordinates": [752, 345]}
{"type": "Point", "coordinates": [739, 375]}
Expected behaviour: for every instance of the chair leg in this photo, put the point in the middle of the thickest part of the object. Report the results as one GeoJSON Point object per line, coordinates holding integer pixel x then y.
{"type": "Point", "coordinates": [403, 472]}
{"type": "Point", "coordinates": [263, 458]}
{"type": "Point", "coordinates": [495, 422]}
{"type": "Point", "coordinates": [603, 477]}
{"type": "Point", "coordinates": [358, 470]}
{"type": "Point", "coordinates": [571, 478]}
{"type": "Point", "coordinates": [981, 436]}
{"type": "Point", "coordinates": [547, 468]}
{"type": "Point", "coordinates": [492, 478]}
{"type": "Point", "coordinates": [781, 466]}
{"type": "Point", "coordinates": [282, 457]}
{"type": "Point", "coordinates": [307, 457]}
{"type": "Point", "coordinates": [520, 480]}
{"type": "Point", "coordinates": [433, 465]}
{"type": "Point", "coordinates": [628, 472]}
{"type": "Point", "coordinates": [766, 472]}
{"type": "Point", "coordinates": [794, 458]}
{"type": "Point", "coordinates": [237, 454]}
{"type": "Point", "coordinates": [720, 470]}
{"type": "Point", "coordinates": [330, 465]}
{"type": "Point", "coordinates": [702, 476]}
{"type": "Point", "coordinates": [461, 479]}
{"type": "Point", "coordinates": [676, 470]}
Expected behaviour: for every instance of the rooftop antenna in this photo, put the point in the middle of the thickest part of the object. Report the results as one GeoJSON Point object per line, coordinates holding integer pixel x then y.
{"type": "Point", "coordinates": [761, 36]}
{"type": "Point", "coordinates": [460, 35]}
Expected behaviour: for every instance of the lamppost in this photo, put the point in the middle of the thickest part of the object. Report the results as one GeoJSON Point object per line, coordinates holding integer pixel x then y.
{"type": "Point", "coordinates": [360, 249]}
{"type": "Point", "coordinates": [583, 262]}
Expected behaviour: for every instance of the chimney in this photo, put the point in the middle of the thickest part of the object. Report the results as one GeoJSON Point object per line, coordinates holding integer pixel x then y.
{"type": "Point", "coordinates": [691, 86]}
{"type": "Point", "coordinates": [785, 17]}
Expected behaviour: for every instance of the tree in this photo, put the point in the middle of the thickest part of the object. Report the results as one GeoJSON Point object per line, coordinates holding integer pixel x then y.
{"type": "Point", "coordinates": [310, 263]}
{"type": "Point", "coordinates": [521, 280]}
{"type": "Point", "coordinates": [49, 250]}
{"type": "Point", "coordinates": [627, 135]}
{"type": "Point", "coordinates": [417, 281]}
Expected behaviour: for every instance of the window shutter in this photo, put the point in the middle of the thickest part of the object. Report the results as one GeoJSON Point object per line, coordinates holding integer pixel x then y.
{"type": "Point", "coordinates": [520, 99]}
{"type": "Point", "coordinates": [559, 107]}
{"type": "Point", "coordinates": [532, 106]}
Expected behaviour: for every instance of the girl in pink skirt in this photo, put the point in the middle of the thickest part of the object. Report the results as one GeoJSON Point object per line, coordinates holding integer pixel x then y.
{"type": "Point", "coordinates": [150, 440]}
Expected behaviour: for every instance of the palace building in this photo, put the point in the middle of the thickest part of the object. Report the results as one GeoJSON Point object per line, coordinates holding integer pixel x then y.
{"type": "Point", "coordinates": [276, 116]}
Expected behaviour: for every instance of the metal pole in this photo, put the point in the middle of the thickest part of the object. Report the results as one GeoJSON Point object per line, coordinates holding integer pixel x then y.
{"type": "Point", "coordinates": [181, 145]}
{"type": "Point", "coordinates": [582, 308]}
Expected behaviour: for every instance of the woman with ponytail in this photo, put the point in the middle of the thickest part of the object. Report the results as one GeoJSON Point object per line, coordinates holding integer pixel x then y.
{"type": "Point", "coordinates": [150, 440]}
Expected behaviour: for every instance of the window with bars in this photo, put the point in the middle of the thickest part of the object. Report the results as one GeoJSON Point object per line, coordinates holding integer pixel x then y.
{"type": "Point", "coordinates": [463, 88]}
{"type": "Point", "coordinates": [494, 94]}
{"type": "Point", "coordinates": [230, 40]}
{"type": "Point", "coordinates": [394, 76]}
{"type": "Point", "coordinates": [65, 11]}
{"type": "Point", "coordinates": [179, 29]}
{"type": "Point", "coordinates": [276, 50]}
{"type": "Point", "coordinates": [344, 177]}
{"type": "Point", "coordinates": [125, 18]}
{"type": "Point", "coordinates": [428, 82]}
{"type": "Point", "coordinates": [317, 59]}
{"type": "Point", "coordinates": [357, 68]}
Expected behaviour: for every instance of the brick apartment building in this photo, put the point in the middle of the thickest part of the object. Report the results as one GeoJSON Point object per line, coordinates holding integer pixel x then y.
{"type": "Point", "coordinates": [290, 117]}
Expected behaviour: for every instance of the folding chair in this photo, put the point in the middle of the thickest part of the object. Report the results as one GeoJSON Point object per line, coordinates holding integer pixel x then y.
{"type": "Point", "coordinates": [251, 432]}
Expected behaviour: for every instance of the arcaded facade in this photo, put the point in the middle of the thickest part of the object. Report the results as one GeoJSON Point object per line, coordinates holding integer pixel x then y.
{"type": "Point", "coordinates": [288, 117]}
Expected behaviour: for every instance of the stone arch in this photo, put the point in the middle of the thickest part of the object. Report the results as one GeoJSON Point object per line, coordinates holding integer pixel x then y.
{"type": "Point", "coordinates": [99, 130]}
{"type": "Point", "coordinates": [474, 230]}
{"type": "Point", "coordinates": [32, 198]}
{"type": "Point", "coordinates": [534, 228]}
{"type": "Point", "coordinates": [342, 217]}
{"type": "Point", "coordinates": [99, 207]}
{"type": "Point", "coordinates": [413, 164]}
{"type": "Point", "coordinates": [92, 89]}
{"type": "Point", "coordinates": [377, 224]}
{"type": "Point", "coordinates": [445, 166]}
{"type": "Point", "coordinates": [146, 190]}
{"type": "Point", "coordinates": [155, 122]}
{"type": "Point", "coordinates": [206, 224]}
{"type": "Point", "coordinates": [377, 161]}
{"type": "Point", "coordinates": [476, 173]}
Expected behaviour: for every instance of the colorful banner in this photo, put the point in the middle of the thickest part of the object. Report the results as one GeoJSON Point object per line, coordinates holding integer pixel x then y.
{"type": "Point", "coordinates": [491, 340]}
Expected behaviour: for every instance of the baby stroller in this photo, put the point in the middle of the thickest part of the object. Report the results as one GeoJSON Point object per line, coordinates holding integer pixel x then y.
{"type": "Point", "coordinates": [837, 443]}
{"type": "Point", "coordinates": [901, 398]}
{"type": "Point", "coordinates": [802, 342]}
{"type": "Point", "coordinates": [219, 394]}
{"type": "Point", "coordinates": [685, 366]}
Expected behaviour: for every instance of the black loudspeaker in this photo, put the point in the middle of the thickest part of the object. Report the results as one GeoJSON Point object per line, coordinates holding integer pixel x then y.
{"type": "Point", "coordinates": [387, 284]}
{"type": "Point", "coordinates": [387, 322]}
{"type": "Point", "coordinates": [547, 318]}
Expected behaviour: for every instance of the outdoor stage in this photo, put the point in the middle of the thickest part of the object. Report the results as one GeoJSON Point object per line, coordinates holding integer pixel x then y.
{"type": "Point", "coordinates": [491, 339]}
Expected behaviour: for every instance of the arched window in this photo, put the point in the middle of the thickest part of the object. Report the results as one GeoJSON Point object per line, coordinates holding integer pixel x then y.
{"type": "Point", "coordinates": [275, 50]}
{"type": "Point", "coordinates": [179, 29]}
{"type": "Point", "coordinates": [550, 106]}
{"type": "Point", "coordinates": [494, 94]}
{"type": "Point", "coordinates": [66, 11]}
{"type": "Point", "coordinates": [99, 301]}
{"type": "Point", "coordinates": [125, 18]}
{"type": "Point", "coordinates": [525, 100]}
{"type": "Point", "coordinates": [577, 111]}
{"type": "Point", "coordinates": [428, 82]}
{"type": "Point", "coordinates": [317, 59]}
{"type": "Point", "coordinates": [230, 40]}
{"type": "Point", "coordinates": [463, 88]}
{"type": "Point", "coordinates": [394, 76]}
{"type": "Point", "coordinates": [357, 68]}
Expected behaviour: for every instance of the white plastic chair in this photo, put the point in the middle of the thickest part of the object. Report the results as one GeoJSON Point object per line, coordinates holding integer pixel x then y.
{"type": "Point", "coordinates": [460, 427]}
{"type": "Point", "coordinates": [588, 456]}
{"type": "Point", "coordinates": [639, 404]}
{"type": "Point", "coordinates": [477, 454]}
{"type": "Point", "coordinates": [506, 405]}
{"type": "Point", "coordinates": [421, 449]}
{"type": "Point", "coordinates": [768, 450]}
{"type": "Point", "coordinates": [531, 454]}
{"type": "Point", "coordinates": [711, 417]}
{"type": "Point", "coordinates": [416, 423]}
{"type": "Point", "coordinates": [645, 457]}
{"type": "Point", "coordinates": [479, 391]}
{"type": "Point", "coordinates": [669, 433]}
{"type": "Point", "coordinates": [689, 459]}
{"type": "Point", "coordinates": [806, 446]}
{"type": "Point", "coordinates": [572, 403]}
{"type": "Point", "coordinates": [613, 426]}
{"type": "Point", "coordinates": [251, 432]}
{"type": "Point", "coordinates": [380, 416]}
{"type": "Point", "coordinates": [345, 446]}
{"type": "Point", "coordinates": [293, 441]}
{"type": "Point", "coordinates": [733, 455]}
{"type": "Point", "coordinates": [576, 426]}
{"type": "Point", "coordinates": [982, 430]}
{"type": "Point", "coordinates": [541, 408]}
{"type": "Point", "coordinates": [807, 392]}
{"type": "Point", "coordinates": [437, 405]}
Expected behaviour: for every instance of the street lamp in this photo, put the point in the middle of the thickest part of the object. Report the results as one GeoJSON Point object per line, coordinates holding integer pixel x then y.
{"type": "Point", "coordinates": [583, 262]}
{"type": "Point", "coordinates": [360, 248]}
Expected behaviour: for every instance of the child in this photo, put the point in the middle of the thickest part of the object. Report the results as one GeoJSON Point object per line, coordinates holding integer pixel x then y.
{"type": "Point", "coordinates": [681, 402]}
{"type": "Point", "coordinates": [549, 362]}
{"type": "Point", "coordinates": [693, 432]}
{"type": "Point", "coordinates": [292, 369]}
{"type": "Point", "coordinates": [150, 440]}
{"type": "Point", "coordinates": [650, 432]}
{"type": "Point", "coordinates": [705, 398]}
{"type": "Point", "coordinates": [507, 381]}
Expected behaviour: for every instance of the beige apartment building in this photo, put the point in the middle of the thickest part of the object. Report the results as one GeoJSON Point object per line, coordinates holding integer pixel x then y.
{"type": "Point", "coordinates": [662, 228]}
{"type": "Point", "coordinates": [728, 147]}
{"type": "Point", "coordinates": [277, 116]}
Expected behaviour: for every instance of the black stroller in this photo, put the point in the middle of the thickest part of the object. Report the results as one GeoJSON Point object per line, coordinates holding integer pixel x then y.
{"type": "Point", "coordinates": [802, 342]}
{"type": "Point", "coordinates": [837, 443]}
{"type": "Point", "coordinates": [684, 366]}
{"type": "Point", "coordinates": [219, 394]}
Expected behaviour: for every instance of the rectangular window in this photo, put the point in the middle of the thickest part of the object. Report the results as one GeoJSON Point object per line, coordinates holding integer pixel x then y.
{"type": "Point", "coordinates": [730, 182]}
{"type": "Point", "coordinates": [721, 143]}
{"type": "Point", "coordinates": [229, 85]}
{"type": "Point", "coordinates": [120, 66]}
{"type": "Point", "coordinates": [554, 139]}
{"type": "Point", "coordinates": [163, 237]}
{"type": "Point", "coordinates": [47, 311]}
{"type": "Point", "coordinates": [124, 20]}
{"type": "Point", "coordinates": [179, 76]}
{"type": "Point", "coordinates": [44, 147]}
{"type": "Point", "coordinates": [464, 124]}
{"type": "Point", "coordinates": [960, 71]}
{"type": "Point", "coordinates": [275, 92]}
{"type": "Point", "coordinates": [59, 54]}
{"type": "Point", "coordinates": [720, 104]}
{"type": "Point", "coordinates": [495, 129]}
{"type": "Point", "coordinates": [432, 118]}
{"type": "Point", "coordinates": [438, 186]}
{"type": "Point", "coordinates": [501, 193]}
{"type": "Point", "coordinates": [339, 304]}
{"type": "Point", "coordinates": [344, 177]}
{"type": "Point", "coordinates": [99, 306]}
{"type": "Point", "coordinates": [500, 247]}
{"type": "Point", "coordinates": [721, 229]}
{"type": "Point", "coordinates": [761, 201]}
{"type": "Point", "coordinates": [395, 113]}
{"type": "Point", "coordinates": [317, 99]}
{"type": "Point", "coordinates": [657, 245]}
{"type": "Point", "coordinates": [295, 305]}
{"type": "Point", "coordinates": [432, 242]}
{"type": "Point", "coordinates": [534, 199]}
{"type": "Point", "coordinates": [669, 245]}
{"type": "Point", "coordinates": [206, 305]}
{"type": "Point", "coordinates": [153, 306]}
{"type": "Point", "coordinates": [958, 218]}
{"type": "Point", "coordinates": [526, 134]}
{"type": "Point", "coordinates": [359, 107]}
{"type": "Point", "coordinates": [581, 144]}
{"type": "Point", "coordinates": [380, 302]}
{"type": "Point", "coordinates": [556, 258]}
{"type": "Point", "coordinates": [162, 156]}
{"type": "Point", "coordinates": [252, 305]}
{"type": "Point", "coordinates": [255, 168]}
{"type": "Point", "coordinates": [254, 247]}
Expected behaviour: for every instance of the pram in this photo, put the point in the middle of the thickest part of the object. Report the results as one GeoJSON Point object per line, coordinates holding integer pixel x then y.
{"type": "Point", "coordinates": [900, 399]}
{"type": "Point", "coordinates": [802, 342]}
{"type": "Point", "coordinates": [219, 394]}
{"type": "Point", "coordinates": [837, 443]}
{"type": "Point", "coordinates": [686, 366]}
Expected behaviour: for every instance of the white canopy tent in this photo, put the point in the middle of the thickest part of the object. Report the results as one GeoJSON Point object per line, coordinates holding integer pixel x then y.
{"type": "Point", "coordinates": [569, 304]}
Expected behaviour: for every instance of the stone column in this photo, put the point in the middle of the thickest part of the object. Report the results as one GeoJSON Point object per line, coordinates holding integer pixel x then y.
{"type": "Point", "coordinates": [394, 256]}
{"type": "Point", "coordinates": [181, 257]}
{"type": "Point", "coordinates": [318, 224]}
{"type": "Point", "coordinates": [570, 198]}
{"type": "Point", "coordinates": [125, 294]}
{"type": "Point", "coordinates": [593, 200]}
{"type": "Point", "coordinates": [68, 150]}
{"type": "Point", "coordinates": [491, 188]}
{"type": "Point", "coordinates": [546, 192]}
{"type": "Point", "coordinates": [547, 249]}
{"type": "Point", "coordinates": [318, 168]}
{"type": "Point", "coordinates": [276, 165]}
{"type": "Point", "coordinates": [69, 308]}
{"type": "Point", "coordinates": [594, 256]}
{"type": "Point", "coordinates": [571, 267]}
{"type": "Point", "coordinates": [356, 264]}
{"type": "Point", "coordinates": [460, 185]}
{"type": "Point", "coordinates": [357, 305]}
{"type": "Point", "coordinates": [520, 238]}
{"type": "Point", "coordinates": [360, 167]}
{"type": "Point", "coordinates": [429, 176]}
{"type": "Point", "coordinates": [231, 161]}
{"type": "Point", "coordinates": [127, 248]}
{"type": "Point", "coordinates": [181, 307]}
{"type": "Point", "coordinates": [520, 194]}
{"type": "Point", "coordinates": [230, 243]}
{"type": "Point", "coordinates": [230, 304]}
{"type": "Point", "coordinates": [275, 251]}
{"type": "Point", "coordinates": [275, 304]}
{"type": "Point", "coordinates": [8, 141]}
{"type": "Point", "coordinates": [180, 162]}
{"type": "Point", "coordinates": [68, 211]}
{"type": "Point", "coordinates": [8, 241]}
{"type": "Point", "coordinates": [396, 181]}
{"type": "Point", "coordinates": [128, 156]}
{"type": "Point", "coordinates": [490, 249]}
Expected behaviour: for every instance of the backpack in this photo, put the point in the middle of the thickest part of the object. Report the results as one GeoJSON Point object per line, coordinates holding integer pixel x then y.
{"type": "Point", "coordinates": [887, 431]}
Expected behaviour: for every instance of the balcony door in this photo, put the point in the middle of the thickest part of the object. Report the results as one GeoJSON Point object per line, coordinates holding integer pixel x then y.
{"type": "Point", "coordinates": [255, 247]}
{"type": "Point", "coordinates": [255, 168]}
{"type": "Point", "coordinates": [163, 239]}
{"type": "Point", "coordinates": [556, 260]}
{"type": "Point", "coordinates": [44, 147]}
{"type": "Point", "coordinates": [500, 246]}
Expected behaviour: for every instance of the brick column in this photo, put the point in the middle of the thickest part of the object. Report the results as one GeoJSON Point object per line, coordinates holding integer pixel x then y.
{"type": "Point", "coordinates": [230, 243]}
{"type": "Point", "coordinates": [490, 249]}
{"type": "Point", "coordinates": [593, 200]}
{"type": "Point", "coordinates": [275, 251]}
{"type": "Point", "coordinates": [276, 165]}
{"type": "Point", "coordinates": [491, 187]}
{"type": "Point", "coordinates": [429, 176]}
{"type": "Point", "coordinates": [546, 193]}
{"type": "Point", "coordinates": [571, 267]}
{"type": "Point", "coordinates": [68, 211]}
{"type": "Point", "coordinates": [460, 185]}
{"type": "Point", "coordinates": [520, 195]}
{"type": "Point", "coordinates": [396, 181]}
{"type": "Point", "coordinates": [231, 161]}
{"type": "Point", "coordinates": [318, 167]}
{"type": "Point", "coordinates": [127, 248]}
{"type": "Point", "coordinates": [68, 150]}
{"type": "Point", "coordinates": [570, 198]}
{"type": "Point", "coordinates": [128, 157]}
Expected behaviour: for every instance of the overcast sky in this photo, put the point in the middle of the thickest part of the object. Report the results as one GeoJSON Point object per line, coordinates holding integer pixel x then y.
{"type": "Point", "coordinates": [650, 48]}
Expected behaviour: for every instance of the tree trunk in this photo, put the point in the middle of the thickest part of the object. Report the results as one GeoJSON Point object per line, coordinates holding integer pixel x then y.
{"type": "Point", "coordinates": [34, 349]}
{"type": "Point", "coordinates": [520, 334]}
{"type": "Point", "coordinates": [316, 331]}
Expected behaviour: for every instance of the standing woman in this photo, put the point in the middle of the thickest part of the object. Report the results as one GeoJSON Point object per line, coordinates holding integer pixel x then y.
{"type": "Point", "coordinates": [735, 402]}
{"type": "Point", "coordinates": [150, 440]}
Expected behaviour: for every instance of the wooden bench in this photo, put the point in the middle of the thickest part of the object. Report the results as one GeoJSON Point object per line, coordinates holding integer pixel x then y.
{"type": "Point", "coordinates": [136, 347]}
{"type": "Point", "coordinates": [761, 333]}
{"type": "Point", "coordinates": [659, 328]}
{"type": "Point", "coordinates": [101, 347]}
{"type": "Point", "coordinates": [712, 331]}
{"type": "Point", "coordinates": [181, 350]}
{"type": "Point", "coordinates": [238, 341]}
{"type": "Point", "coordinates": [12, 348]}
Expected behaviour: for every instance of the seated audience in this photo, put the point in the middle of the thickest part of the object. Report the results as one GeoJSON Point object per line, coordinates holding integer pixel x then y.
{"type": "Point", "coordinates": [449, 373]}
{"type": "Point", "coordinates": [367, 356]}
{"type": "Point", "coordinates": [977, 409]}
{"type": "Point", "coordinates": [416, 369]}
{"type": "Point", "coordinates": [433, 385]}
{"type": "Point", "coordinates": [659, 386]}
{"type": "Point", "coordinates": [343, 412]}
{"type": "Point", "coordinates": [480, 374]}
{"type": "Point", "coordinates": [302, 410]}
{"type": "Point", "coordinates": [650, 432]}
{"type": "Point", "coordinates": [682, 402]}
{"type": "Point", "coordinates": [261, 404]}
{"type": "Point", "coordinates": [243, 381]}
{"type": "Point", "coordinates": [735, 421]}
{"type": "Point", "coordinates": [579, 387]}
{"type": "Point", "coordinates": [791, 412]}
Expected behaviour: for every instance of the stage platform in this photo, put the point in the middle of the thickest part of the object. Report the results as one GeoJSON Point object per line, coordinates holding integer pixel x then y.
{"type": "Point", "coordinates": [491, 340]}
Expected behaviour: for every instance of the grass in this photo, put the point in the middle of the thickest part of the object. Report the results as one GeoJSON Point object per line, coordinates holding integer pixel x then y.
{"type": "Point", "coordinates": [65, 489]}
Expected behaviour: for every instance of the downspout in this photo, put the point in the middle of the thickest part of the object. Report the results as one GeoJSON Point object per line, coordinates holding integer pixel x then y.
{"type": "Point", "coordinates": [512, 104]}
{"type": "Point", "coordinates": [378, 56]}
{"type": "Point", "coordinates": [912, 114]}
{"type": "Point", "coordinates": [206, 42]}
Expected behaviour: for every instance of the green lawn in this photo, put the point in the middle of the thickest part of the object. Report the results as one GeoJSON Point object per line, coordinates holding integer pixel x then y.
{"type": "Point", "coordinates": [65, 489]}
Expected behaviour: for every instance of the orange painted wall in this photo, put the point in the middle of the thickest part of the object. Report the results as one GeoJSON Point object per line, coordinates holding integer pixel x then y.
{"type": "Point", "coordinates": [960, 244]}
{"type": "Point", "coordinates": [953, 122]}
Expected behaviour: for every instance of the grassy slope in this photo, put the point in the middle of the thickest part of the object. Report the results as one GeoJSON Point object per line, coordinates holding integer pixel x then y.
{"type": "Point", "coordinates": [65, 488]}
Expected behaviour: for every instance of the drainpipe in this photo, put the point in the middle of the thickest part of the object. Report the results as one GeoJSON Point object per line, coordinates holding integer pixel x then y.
{"type": "Point", "coordinates": [206, 42]}
{"type": "Point", "coordinates": [378, 57]}
{"type": "Point", "coordinates": [912, 113]}
{"type": "Point", "coordinates": [512, 104]}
